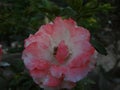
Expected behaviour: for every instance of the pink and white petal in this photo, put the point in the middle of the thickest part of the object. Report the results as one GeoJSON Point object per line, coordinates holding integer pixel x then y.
{"type": "Point", "coordinates": [80, 34]}
{"type": "Point", "coordinates": [43, 39]}
{"type": "Point", "coordinates": [57, 71]}
{"type": "Point", "coordinates": [51, 81]}
{"type": "Point", "coordinates": [40, 74]}
{"type": "Point", "coordinates": [62, 52]}
{"type": "Point", "coordinates": [40, 65]}
{"type": "Point", "coordinates": [81, 58]}
{"type": "Point", "coordinates": [76, 74]}
{"type": "Point", "coordinates": [79, 66]}
{"type": "Point", "coordinates": [81, 48]}
{"type": "Point", "coordinates": [35, 52]}
{"type": "Point", "coordinates": [60, 31]}
{"type": "Point", "coordinates": [47, 29]}
{"type": "Point", "coordinates": [76, 32]}
{"type": "Point", "coordinates": [70, 22]}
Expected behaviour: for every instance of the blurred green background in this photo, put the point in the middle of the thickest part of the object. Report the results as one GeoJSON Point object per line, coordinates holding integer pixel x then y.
{"type": "Point", "coordinates": [19, 18]}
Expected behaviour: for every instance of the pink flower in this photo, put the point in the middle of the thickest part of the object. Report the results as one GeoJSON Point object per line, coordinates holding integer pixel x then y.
{"type": "Point", "coordinates": [59, 54]}
{"type": "Point", "coordinates": [0, 52]}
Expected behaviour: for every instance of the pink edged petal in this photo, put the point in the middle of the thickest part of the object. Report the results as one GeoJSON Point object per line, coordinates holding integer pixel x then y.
{"type": "Point", "coordinates": [82, 57]}
{"type": "Point", "coordinates": [51, 81]}
{"type": "Point", "coordinates": [60, 31]}
{"type": "Point", "coordinates": [77, 33]}
{"type": "Point", "coordinates": [46, 29]}
{"type": "Point", "coordinates": [80, 34]}
{"type": "Point", "coordinates": [39, 65]}
{"type": "Point", "coordinates": [31, 39]}
{"type": "Point", "coordinates": [62, 52]}
{"type": "Point", "coordinates": [76, 74]}
{"type": "Point", "coordinates": [36, 73]}
{"type": "Point", "coordinates": [70, 22]}
{"type": "Point", "coordinates": [57, 71]}
{"type": "Point", "coordinates": [33, 52]}
{"type": "Point", "coordinates": [42, 38]}
{"type": "Point", "coordinates": [38, 70]}
{"type": "Point", "coordinates": [82, 49]}
{"type": "Point", "coordinates": [58, 20]}
{"type": "Point", "coordinates": [79, 66]}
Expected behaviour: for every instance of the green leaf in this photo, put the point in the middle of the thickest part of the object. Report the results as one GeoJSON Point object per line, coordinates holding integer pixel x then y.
{"type": "Point", "coordinates": [84, 84]}
{"type": "Point", "coordinates": [75, 4]}
{"type": "Point", "coordinates": [99, 47]}
{"type": "Point", "coordinates": [68, 12]}
{"type": "Point", "coordinates": [91, 4]}
{"type": "Point", "coordinates": [106, 7]}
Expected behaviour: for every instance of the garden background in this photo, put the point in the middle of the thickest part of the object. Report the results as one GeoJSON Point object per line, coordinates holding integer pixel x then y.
{"type": "Point", "coordinates": [20, 18]}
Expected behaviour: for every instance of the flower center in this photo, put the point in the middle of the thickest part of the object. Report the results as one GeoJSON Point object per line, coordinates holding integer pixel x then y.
{"type": "Point", "coordinates": [61, 52]}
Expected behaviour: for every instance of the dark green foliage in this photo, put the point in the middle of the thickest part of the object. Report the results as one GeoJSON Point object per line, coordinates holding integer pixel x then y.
{"type": "Point", "coordinates": [99, 47]}
{"type": "Point", "coordinates": [23, 82]}
{"type": "Point", "coordinates": [84, 84]}
{"type": "Point", "coordinates": [19, 18]}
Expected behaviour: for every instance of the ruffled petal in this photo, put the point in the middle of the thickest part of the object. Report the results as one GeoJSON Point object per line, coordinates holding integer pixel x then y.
{"type": "Point", "coordinates": [76, 74]}
{"type": "Point", "coordinates": [51, 81]}
{"type": "Point", "coordinates": [57, 71]}
{"type": "Point", "coordinates": [62, 52]}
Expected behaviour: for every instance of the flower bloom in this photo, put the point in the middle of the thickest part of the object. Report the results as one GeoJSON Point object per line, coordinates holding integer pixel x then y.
{"type": "Point", "coordinates": [59, 54]}
{"type": "Point", "coordinates": [0, 52]}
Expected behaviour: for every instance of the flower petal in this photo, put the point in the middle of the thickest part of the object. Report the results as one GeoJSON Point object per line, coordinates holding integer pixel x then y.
{"type": "Point", "coordinates": [62, 52]}
{"type": "Point", "coordinates": [51, 81]}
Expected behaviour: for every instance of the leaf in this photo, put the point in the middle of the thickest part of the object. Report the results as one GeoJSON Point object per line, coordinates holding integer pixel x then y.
{"type": "Point", "coordinates": [75, 4]}
{"type": "Point", "coordinates": [23, 81]}
{"type": "Point", "coordinates": [91, 4]}
{"type": "Point", "coordinates": [84, 84]}
{"type": "Point", "coordinates": [99, 47]}
{"type": "Point", "coordinates": [106, 7]}
{"type": "Point", "coordinates": [68, 12]}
